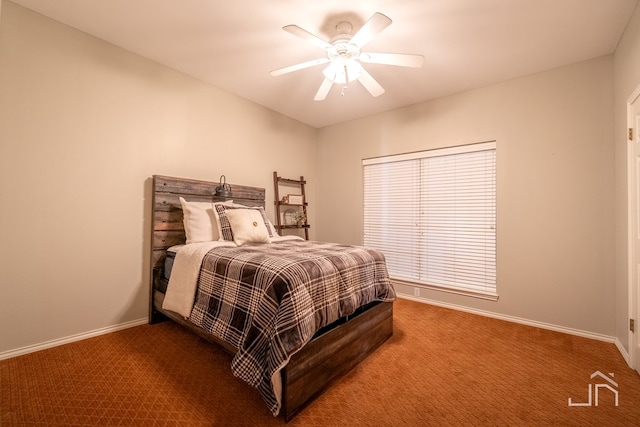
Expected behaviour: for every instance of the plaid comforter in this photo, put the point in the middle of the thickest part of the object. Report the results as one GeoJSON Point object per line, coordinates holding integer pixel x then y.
{"type": "Point", "coordinates": [269, 300]}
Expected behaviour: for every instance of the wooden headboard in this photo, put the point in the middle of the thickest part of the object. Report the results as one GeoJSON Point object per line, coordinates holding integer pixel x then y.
{"type": "Point", "coordinates": [167, 226]}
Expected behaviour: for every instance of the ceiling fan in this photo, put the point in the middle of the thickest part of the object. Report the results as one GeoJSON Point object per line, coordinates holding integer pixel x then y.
{"type": "Point", "coordinates": [345, 57]}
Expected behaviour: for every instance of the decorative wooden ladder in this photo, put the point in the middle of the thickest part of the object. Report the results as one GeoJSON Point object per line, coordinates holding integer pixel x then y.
{"type": "Point", "coordinates": [300, 208]}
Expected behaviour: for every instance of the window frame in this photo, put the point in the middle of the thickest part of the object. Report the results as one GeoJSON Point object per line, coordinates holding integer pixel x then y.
{"type": "Point", "coordinates": [477, 286]}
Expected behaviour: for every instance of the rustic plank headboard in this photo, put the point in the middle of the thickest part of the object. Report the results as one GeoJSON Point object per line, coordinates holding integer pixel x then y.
{"type": "Point", "coordinates": [167, 226]}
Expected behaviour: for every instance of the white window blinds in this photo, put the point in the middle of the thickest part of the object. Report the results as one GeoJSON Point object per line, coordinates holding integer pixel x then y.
{"type": "Point", "coordinates": [433, 215]}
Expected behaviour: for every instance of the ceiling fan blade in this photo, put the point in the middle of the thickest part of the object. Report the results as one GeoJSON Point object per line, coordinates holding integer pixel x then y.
{"type": "Point", "coordinates": [300, 66]}
{"type": "Point", "coordinates": [370, 83]}
{"type": "Point", "coordinates": [323, 91]}
{"type": "Point", "coordinates": [373, 26]}
{"type": "Point", "coordinates": [306, 35]}
{"type": "Point", "coordinates": [398, 59]}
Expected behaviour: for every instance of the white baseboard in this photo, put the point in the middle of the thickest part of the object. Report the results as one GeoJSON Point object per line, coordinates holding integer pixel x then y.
{"type": "Point", "coordinates": [78, 337]}
{"type": "Point", "coordinates": [514, 319]}
{"type": "Point", "coordinates": [623, 351]}
{"type": "Point", "coordinates": [102, 331]}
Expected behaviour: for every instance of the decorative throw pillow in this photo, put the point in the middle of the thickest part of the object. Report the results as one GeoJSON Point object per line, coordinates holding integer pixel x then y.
{"type": "Point", "coordinates": [226, 233]}
{"type": "Point", "coordinates": [228, 203]}
{"type": "Point", "coordinates": [247, 226]}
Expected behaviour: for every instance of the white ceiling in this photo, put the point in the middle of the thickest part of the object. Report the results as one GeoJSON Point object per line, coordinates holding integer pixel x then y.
{"type": "Point", "coordinates": [466, 43]}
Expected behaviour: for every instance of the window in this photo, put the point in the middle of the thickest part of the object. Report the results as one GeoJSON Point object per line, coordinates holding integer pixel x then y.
{"type": "Point", "coordinates": [433, 215]}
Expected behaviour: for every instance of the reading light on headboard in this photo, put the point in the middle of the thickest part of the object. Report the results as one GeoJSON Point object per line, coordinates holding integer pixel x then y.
{"type": "Point", "coordinates": [224, 189]}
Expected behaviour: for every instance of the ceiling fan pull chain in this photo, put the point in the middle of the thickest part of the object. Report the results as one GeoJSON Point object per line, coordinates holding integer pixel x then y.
{"type": "Point", "coordinates": [346, 79]}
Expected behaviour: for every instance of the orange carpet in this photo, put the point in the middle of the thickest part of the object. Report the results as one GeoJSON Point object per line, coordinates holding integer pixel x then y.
{"type": "Point", "coordinates": [441, 367]}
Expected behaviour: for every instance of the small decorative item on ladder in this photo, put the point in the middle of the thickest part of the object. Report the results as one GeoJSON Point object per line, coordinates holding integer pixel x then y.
{"type": "Point", "coordinates": [301, 219]}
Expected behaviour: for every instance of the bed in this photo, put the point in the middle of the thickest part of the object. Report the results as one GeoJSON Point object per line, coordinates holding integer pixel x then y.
{"type": "Point", "coordinates": [318, 356]}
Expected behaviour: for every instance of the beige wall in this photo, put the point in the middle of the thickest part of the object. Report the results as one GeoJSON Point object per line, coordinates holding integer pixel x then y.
{"type": "Point", "coordinates": [555, 186]}
{"type": "Point", "coordinates": [627, 79]}
{"type": "Point", "coordinates": [83, 127]}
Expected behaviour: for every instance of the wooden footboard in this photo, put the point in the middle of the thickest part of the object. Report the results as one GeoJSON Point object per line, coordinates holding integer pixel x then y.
{"type": "Point", "coordinates": [331, 355]}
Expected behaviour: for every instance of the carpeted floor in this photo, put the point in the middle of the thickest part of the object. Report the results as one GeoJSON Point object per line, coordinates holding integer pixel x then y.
{"type": "Point", "coordinates": [441, 367]}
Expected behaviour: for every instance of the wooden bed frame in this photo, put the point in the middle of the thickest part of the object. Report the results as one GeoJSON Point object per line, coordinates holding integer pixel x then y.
{"type": "Point", "coordinates": [329, 355]}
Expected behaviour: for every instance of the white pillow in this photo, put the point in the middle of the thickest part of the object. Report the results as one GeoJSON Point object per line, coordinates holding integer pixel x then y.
{"type": "Point", "coordinates": [247, 226]}
{"type": "Point", "coordinates": [200, 222]}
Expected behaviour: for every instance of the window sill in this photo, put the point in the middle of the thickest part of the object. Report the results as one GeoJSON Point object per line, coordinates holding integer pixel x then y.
{"type": "Point", "coordinates": [490, 296]}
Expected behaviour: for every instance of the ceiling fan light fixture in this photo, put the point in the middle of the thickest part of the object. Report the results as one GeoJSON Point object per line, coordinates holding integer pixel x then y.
{"type": "Point", "coordinates": [342, 71]}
